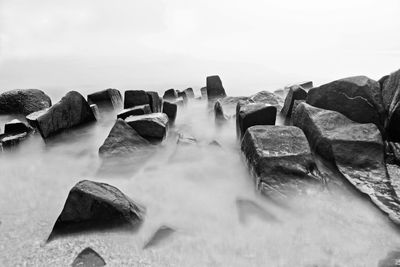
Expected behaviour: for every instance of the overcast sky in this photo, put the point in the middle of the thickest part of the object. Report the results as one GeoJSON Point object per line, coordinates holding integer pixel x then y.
{"type": "Point", "coordinates": [158, 44]}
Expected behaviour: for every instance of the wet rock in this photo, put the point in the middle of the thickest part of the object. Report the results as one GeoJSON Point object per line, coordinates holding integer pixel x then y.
{"type": "Point", "coordinates": [32, 118]}
{"type": "Point", "coordinates": [135, 98]}
{"type": "Point", "coordinates": [248, 208]}
{"type": "Point", "coordinates": [108, 98]}
{"type": "Point", "coordinates": [203, 92]}
{"type": "Point", "coordinates": [279, 158]}
{"type": "Point", "coordinates": [8, 141]}
{"type": "Point", "coordinates": [391, 101]}
{"type": "Point", "coordinates": [392, 260]}
{"type": "Point", "coordinates": [393, 149]}
{"type": "Point", "coordinates": [382, 82]}
{"type": "Point", "coordinates": [150, 126]}
{"type": "Point", "coordinates": [155, 101]}
{"type": "Point", "coordinates": [220, 118]}
{"type": "Point", "coordinates": [170, 94]}
{"type": "Point", "coordinates": [355, 149]}
{"type": "Point", "coordinates": [16, 127]}
{"type": "Point", "coordinates": [93, 206]}
{"type": "Point", "coordinates": [160, 235]}
{"type": "Point", "coordinates": [72, 110]}
{"type": "Point", "coordinates": [358, 98]}
{"type": "Point", "coordinates": [295, 93]}
{"type": "Point", "coordinates": [88, 258]}
{"type": "Point", "coordinates": [189, 92]}
{"type": "Point", "coordinates": [215, 89]}
{"type": "Point", "coordinates": [138, 110]}
{"type": "Point", "coordinates": [23, 101]}
{"type": "Point", "coordinates": [170, 109]}
{"type": "Point", "coordinates": [95, 110]}
{"type": "Point", "coordinates": [251, 114]}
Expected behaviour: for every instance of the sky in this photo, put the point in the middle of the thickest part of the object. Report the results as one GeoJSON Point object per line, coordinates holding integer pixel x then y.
{"type": "Point", "coordinates": [159, 44]}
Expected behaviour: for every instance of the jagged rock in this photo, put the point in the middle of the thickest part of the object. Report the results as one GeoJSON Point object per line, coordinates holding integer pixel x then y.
{"type": "Point", "coordinates": [23, 101]}
{"type": "Point", "coordinates": [170, 94]}
{"type": "Point", "coordinates": [189, 92]}
{"type": "Point", "coordinates": [279, 158]}
{"type": "Point", "coordinates": [95, 110]}
{"type": "Point", "coordinates": [150, 126]}
{"type": "Point", "coordinates": [138, 110]}
{"type": "Point", "coordinates": [393, 149]}
{"type": "Point", "coordinates": [220, 118]}
{"type": "Point", "coordinates": [203, 92]}
{"type": "Point", "coordinates": [70, 111]}
{"type": "Point", "coordinates": [391, 101]}
{"type": "Point", "coordinates": [93, 206]}
{"type": "Point", "coordinates": [108, 98]}
{"type": "Point", "coordinates": [161, 234]}
{"type": "Point", "coordinates": [295, 93]}
{"type": "Point", "coordinates": [358, 98]}
{"type": "Point", "coordinates": [251, 114]}
{"type": "Point", "coordinates": [215, 89]}
{"type": "Point", "coordinates": [170, 109]}
{"type": "Point", "coordinates": [88, 258]}
{"type": "Point", "coordinates": [135, 98]}
{"type": "Point", "coordinates": [155, 101]}
{"type": "Point", "coordinates": [295, 104]}
{"type": "Point", "coordinates": [356, 149]}
{"type": "Point", "coordinates": [229, 104]}
{"type": "Point", "coordinates": [382, 82]}
{"type": "Point", "coordinates": [16, 127]}
{"type": "Point", "coordinates": [249, 208]}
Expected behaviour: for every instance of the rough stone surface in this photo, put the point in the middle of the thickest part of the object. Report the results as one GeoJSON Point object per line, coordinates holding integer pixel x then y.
{"type": "Point", "coordinates": [95, 110]}
{"type": "Point", "coordinates": [108, 98]}
{"type": "Point", "coordinates": [215, 89]}
{"type": "Point", "coordinates": [184, 97]}
{"type": "Point", "coordinates": [170, 94]}
{"type": "Point", "coordinates": [295, 93]}
{"type": "Point", "coordinates": [138, 110]}
{"type": "Point", "coordinates": [88, 258]}
{"type": "Point", "coordinates": [32, 118]}
{"type": "Point", "coordinates": [135, 98]}
{"type": "Point", "coordinates": [155, 101]}
{"type": "Point", "coordinates": [9, 141]}
{"type": "Point", "coordinates": [391, 101]}
{"type": "Point", "coordinates": [23, 101]}
{"type": "Point", "coordinates": [171, 110]}
{"type": "Point", "coordinates": [150, 126]}
{"type": "Point", "coordinates": [219, 113]}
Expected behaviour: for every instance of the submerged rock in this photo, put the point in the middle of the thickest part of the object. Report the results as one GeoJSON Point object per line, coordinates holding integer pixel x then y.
{"type": "Point", "coordinates": [170, 94]}
{"type": "Point", "coordinates": [93, 206]}
{"type": "Point", "coordinates": [108, 98]}
{"type": "Point", "coordinates": [203, 92]}
{"type": "Point", "coordinates": [150, 126]}
{"type": "Point", "coordinates": [72, 110]}
{"type": "Point", "coordinates": [160, 235]}
{"type": "Point", "coordinates": [215, 89]}
{"type": "Point", "coordinates": [295, 93]}
{"type": "Point", "coordinates": [266, 97]}
{"type": "Point", "coordinates": [16, 127]}
{"type": "Point", "coordinates": [88, 258]}
{"type": "Point", "coordinates": [95, 110]}
{"type": "Point", "coordinates": [189, 92]}
{"type": "Point", "coordinates": [23, 101]}
{"type": "Point", "coordinates": [279, 158]}
{"type": "Point", "coordinates": [391, 101]}
{"type": "Point", "coordinates": [155, 101]}
{"type": "Point", "coordinates": [220, 117]}
{"type": "Point", "coordinates": [170, 109]}
{"type": "Point", "coordinates": [135, 98]}
{"type": "Point", "coordinates": [138, 110]}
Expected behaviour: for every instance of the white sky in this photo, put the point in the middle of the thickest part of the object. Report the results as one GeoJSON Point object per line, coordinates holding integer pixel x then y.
{"type": "Point", "coordinates": [158, 44]}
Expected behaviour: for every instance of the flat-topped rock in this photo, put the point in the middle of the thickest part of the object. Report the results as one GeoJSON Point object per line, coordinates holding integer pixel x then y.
{"type": "Point", "coordinates": [155, 101]}
{"type": "Point", "coordinates": [23, 101]}
{"type": "Point", "coordinates": [150, 126]}
{"type": "Point", "coordinates": [220, 117]}
{"type": "Point", "coordinates": [16, 127]}
{"type": "Point", "coordinates": [215, 89]}
{"type": "Point", "coordinates": [189, 92]}
{"type": "Point", "coordinates": [138, 110]}
{"type": "Point", "coordinates": [108, 98]}
{"type": "Point", "coordinates": [9, 141]}
{"type": "Point", "coordinates": [135, 98]}
{"type": "Point", "coordinates": [171, 110]}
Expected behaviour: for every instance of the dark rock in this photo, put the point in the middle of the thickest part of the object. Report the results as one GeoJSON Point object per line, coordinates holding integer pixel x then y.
{"type": "Point", "coordinates": [135, 98]}
{"type": "Point", "coordinates": [108, 98]}
{"type": "Point", "coordinates": [203, 92]}
{"type": "Point", "coordinates": [295, 93]}
{"type": "Point", "coordinates": [279, 158]}
{"type": "Point", "coordinates": [23, 101]}
{"type": "Point", "coordinates": [88, 258]}
{"type": "Point", "coordinates": [249, 208]}
{"type": "Point", "coordinates": [95, 110]}
{"type": "Point", "coordinates": [170, 109]}
{"type": "Point", "coordinates": [358, 98]}
{"type": "Point", "coordinates": [183, 96]}
{"type": "Point", "coordinates": [150, 126]}
{"type": "Point", "coordinates": [8, 141]}
{"type": "Point", "coordinates": [189, 92]}
{"type": "Point", "coordinates": [70, 111]}
{"type": "Point", "coordinates": [170, 94]}
{"type": "Point", "coordinates": [138, 110]}
{"type": "Point", "coordinates": [32, 118]}
{"type": "Point", "coordinates": [155, 101]}
{"type": "Point", "coordinates": [161, 234]}
{"type": "Point", "coordinates": [391, 101]}
{"type": "Point", "coordinates": [306, 85]}
{"type": "Point", "coordinates": [16, 127]}
{"type": "Point", "coordinates": [267, 98]}
{"type": "Point", "coordinates": [93, 206]}
{"type": "Point", "coordinates": [220, 118]}
{"type": "Point", "coordinates": [251, 114]}
{"type": "Point", "coordinates": [215, 89]}
{"type": "Point", "coordinates": [355, 149]}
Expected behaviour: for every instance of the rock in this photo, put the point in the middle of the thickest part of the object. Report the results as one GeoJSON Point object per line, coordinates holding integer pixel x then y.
{"type": "Point", "coordinates": [220, 118]}
{"type": "Point", "coordinates": [229, 104]}
{"type": "Point", "coordinates": [16, 127]}
{"type": "Point", "coordinates": [203, 92]}
{"type": "Point", "coordinates": [150, 126]}
{"type": "Point", "coordinates": [122, 141]}
{"type": "Point", "coordinates": [358, 98]}
{"type": "Point", "coordinates": [391, 260]}
{"type": "Point", "coordinates": [295, 93]}
{"type": "Point", "coordinates": [135, 98]}
{"type": "Point", "coordinates": [8, 141]}
{"type": "Point", "coordinates": [23, 101]}
{"type": "Point", "coordinates": [161, 234]}
{"type": "Point", "coordinates": [88, 258]}
{"type": "Point", "coordinates": [72, 110]}
{"type": "Point", "coordinates": [32, 118]}
{"type": "Point", "coordinates": [215, 89]}
{"type": "Point", "coordinates": [279, 157]}
{"type": "Point", "coordinates": [338, 139]}
{"type": "Point", "coordinates": [249, 208]}
{"type": "Point", "coordinates": [170, 109]}
{"type": "Point", "coordinates": [93, 206]}
{"type": "Point", "coordinates": [170, 94]}
{"type": "Point", "coordinates": [391, 102]}
{"type": "Point", "coordinates": [108, 98]}
{"type": "Point", "coordinates": [155, 101]}
{"type": "Point", "coordinates": [267, 98]}
{"type": "Point", "coordinates": [251, 114]}
{"type": "Point", "coordinates": [95, 110]}
{"type": "Point", "coordinates": [138, 110]}
{"type": "Point", "coordinates": [183, 96]}
{"type": "Point", "coordinates": [189, 92]}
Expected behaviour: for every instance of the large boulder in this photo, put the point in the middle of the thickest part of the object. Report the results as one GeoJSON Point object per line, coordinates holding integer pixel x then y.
{"type": "Point", "coordinates": [9, 141]}
{"type": "Point", "coordinates": [70, 111]}
{"type": "Point", "coordinates": [170, 94]}
{"type": "Point", "coordinates": [108, 98]}
{"type": "Point", "coordinates": [183, 96]}
{"type": "Point", "coordinates": [170, 109]}
{"type": "Point", "coordinates": [295, 93]}
{"type": "Point", "coordinates": [93, 206]}
{"type": "Point", "coordinates": [215, 89]}
{"type": "Point", "coordinates": [155, 101]}
{"type": "Point", "coordinates": [135, 98]}
{"type": "Point", "coordinates": [32, 117]}
{"type": "Point", "coordinates": [356, 149]}
{"type": "Point", "coordinates": [138, 110]}
{"type": "Point", "coordinates": [267, 98]}
{"type": "Point", "coordinates": [23, 101]}
{"type": "Point", "coordinates": [358, 98]}
{"type": "Point", "coordinates": [279, 158]}
{"type": "Point", "coordinates": [150, 126]}
{"type": "Point", "coordinates": [391, 101]}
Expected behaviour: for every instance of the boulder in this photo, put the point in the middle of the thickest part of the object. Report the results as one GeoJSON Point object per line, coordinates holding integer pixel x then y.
{"type": "Point", "coordinates": [189, 92]}
{"type": "Point", "coordinates": [229, 103]}
{"type": "Point", "coordinates": [23, 101]}
{"type": "Point", "coordinates": [170, 94]}
{"type": "Point", "coordinates": [203, 92]}
{"type": "Point", "coordinates": [16, 127]}
{"type": "Point", "coordinates": [355, 149]}
{"type": "Point", "coordinates": [358, 98]}
{"type": "Point", "coordinates": [108, 98]}
{"type": "Point", "coordinates": [138, 110]}
{"type": "Point", "coordinates": [251, 114]}
{"type": "Point", "coordinates": [306, 85]}
{"type": "Point", "coordinates": [135, 98]}
{"type": "Point", "coordinates": [95, 110]}
{"type": "Point", "coordinates": [382, 82]}
{"type": "Point", "coordinates": [267, 98]}
{"type": "Point", "coordinates": [32, 118]}
{"type": "Point", "coordinates": [215, 89]}
{"type": "Point", "coordinates": [391, 101]}
{"type": "Point", "coordinates": [295, 93]}
{"type": "Point", "coordinates": [219, 113]}
{"type": "Point", "coordinates": [150, 126]}
{"type": "Point", "coordinates": [183, 96]}
{"type": "Point", "coordinates": [279, 157]}
{"type": "Point", "coordinates": [88, 257]}
{"type": "Point", "coordinates": [170, 109]}
{"type": "Point", "coordinates": [155, 101]}
{"type": "Point", "coordinates": [8, 141]}
{"type": "Point", "coordinates": [93, 206]}
{"type": "Point", "coordinates": [72, 110]}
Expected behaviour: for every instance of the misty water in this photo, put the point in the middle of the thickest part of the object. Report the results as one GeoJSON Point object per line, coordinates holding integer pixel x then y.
{"type": "Point", "coordinates": [192, 188]}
